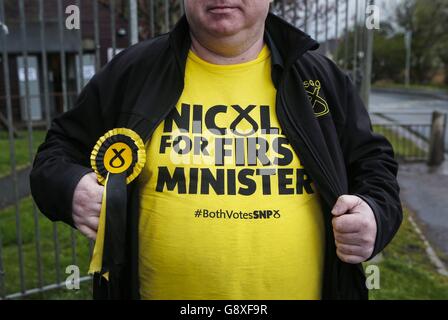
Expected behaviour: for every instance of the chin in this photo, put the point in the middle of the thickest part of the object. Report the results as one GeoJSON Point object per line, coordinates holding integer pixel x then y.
{"type": "Point", "coordinates": [224, 28]}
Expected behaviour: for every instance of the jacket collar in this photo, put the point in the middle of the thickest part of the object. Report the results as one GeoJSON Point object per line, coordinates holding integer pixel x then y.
{"type": "Point", "coordinates": [286, 42]}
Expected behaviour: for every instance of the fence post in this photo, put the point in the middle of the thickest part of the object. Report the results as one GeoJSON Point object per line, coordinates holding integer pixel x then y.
{"type": "Point", "coordinates": [437, 139]}
{"type": "Point", "coordinates": [133, 22]}
{"type": "Point", "coordinates": [368, 57]}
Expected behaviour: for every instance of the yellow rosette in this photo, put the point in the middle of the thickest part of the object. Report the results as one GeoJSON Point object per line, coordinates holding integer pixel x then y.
{"type": "Point", "coordinates": [117, 159]}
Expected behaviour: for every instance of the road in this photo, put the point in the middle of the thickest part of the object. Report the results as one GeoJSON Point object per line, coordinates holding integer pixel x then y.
{"type": "Point", "coordinates": [412, 109]}
{"type": "Point", "coordinates": [382, 101]}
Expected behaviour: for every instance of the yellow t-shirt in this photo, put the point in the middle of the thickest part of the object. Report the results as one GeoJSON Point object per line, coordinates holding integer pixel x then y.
{"type": "Point", "coordinates": [227, 209]}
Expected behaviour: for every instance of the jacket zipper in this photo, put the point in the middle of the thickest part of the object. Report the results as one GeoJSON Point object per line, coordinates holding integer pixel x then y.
{"type": "Point", "coordinates": [309, 145]}
{"type": "Point", "coordinates": [322, 167]}
{"type": "Point", "coordinates": [317, 159]}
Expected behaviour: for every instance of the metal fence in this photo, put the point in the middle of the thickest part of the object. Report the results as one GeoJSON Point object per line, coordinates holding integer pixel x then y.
{"type": "Point", "coordinates": [410, 134]}
{"type": "Point", "coordinates": [45, 64]}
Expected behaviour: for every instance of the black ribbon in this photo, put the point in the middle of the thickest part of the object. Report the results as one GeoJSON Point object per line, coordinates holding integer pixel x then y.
{"type": "Point", "coordinates": [114, 249]}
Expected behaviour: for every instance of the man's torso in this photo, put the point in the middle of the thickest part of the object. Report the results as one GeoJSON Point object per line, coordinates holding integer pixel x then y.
{"type": "Point", "coordinates": [227, 209]}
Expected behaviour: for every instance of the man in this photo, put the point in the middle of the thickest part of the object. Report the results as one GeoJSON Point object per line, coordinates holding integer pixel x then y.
{"type": "Point", "coordinates": [263, 178]}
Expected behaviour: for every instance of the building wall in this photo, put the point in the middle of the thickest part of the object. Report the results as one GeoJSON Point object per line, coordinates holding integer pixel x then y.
{"type": "Point", "coordinates": [12, 20]}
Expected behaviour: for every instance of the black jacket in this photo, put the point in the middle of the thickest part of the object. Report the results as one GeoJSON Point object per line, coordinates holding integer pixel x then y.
{"type": "Point", "coordinates": [140, 87]}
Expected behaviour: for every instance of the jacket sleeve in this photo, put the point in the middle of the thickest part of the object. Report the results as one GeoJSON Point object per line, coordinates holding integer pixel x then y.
{"type": "Point", "coordinates": [371, 168]}
{"type": "Point", "coordinates": [63, 159]}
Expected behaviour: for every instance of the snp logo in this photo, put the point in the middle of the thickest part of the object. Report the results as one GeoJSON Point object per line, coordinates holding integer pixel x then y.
{"type": "Point", "coordinates": [319, 104]}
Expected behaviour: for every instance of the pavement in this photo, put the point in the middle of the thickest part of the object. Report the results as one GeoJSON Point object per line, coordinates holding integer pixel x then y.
{"type": "Point", "coordinates": [424, 190]}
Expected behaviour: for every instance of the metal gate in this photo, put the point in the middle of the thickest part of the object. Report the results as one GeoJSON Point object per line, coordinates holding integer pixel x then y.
{"type": "Point", "coordinates": [47, 57]}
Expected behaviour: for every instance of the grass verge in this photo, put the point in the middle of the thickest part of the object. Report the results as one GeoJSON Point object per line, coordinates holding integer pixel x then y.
{"type": "Point", "coordinates": [65, 237]}
{"type": "Point", "coordinates": [406, 272]}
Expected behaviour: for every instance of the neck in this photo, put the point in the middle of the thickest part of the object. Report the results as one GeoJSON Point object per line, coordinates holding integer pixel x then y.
{"type": "Point", "coordinates": [224, 53]}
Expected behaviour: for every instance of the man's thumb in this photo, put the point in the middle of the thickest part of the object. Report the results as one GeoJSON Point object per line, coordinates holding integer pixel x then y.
{"type": "Point", "coordinates": [344, 204]}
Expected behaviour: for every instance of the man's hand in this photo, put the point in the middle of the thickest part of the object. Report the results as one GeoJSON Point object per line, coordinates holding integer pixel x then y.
{"type": "Point", "coordinates": [355, 228]}
{"type": "Point", "coordinates": [87, 205]}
